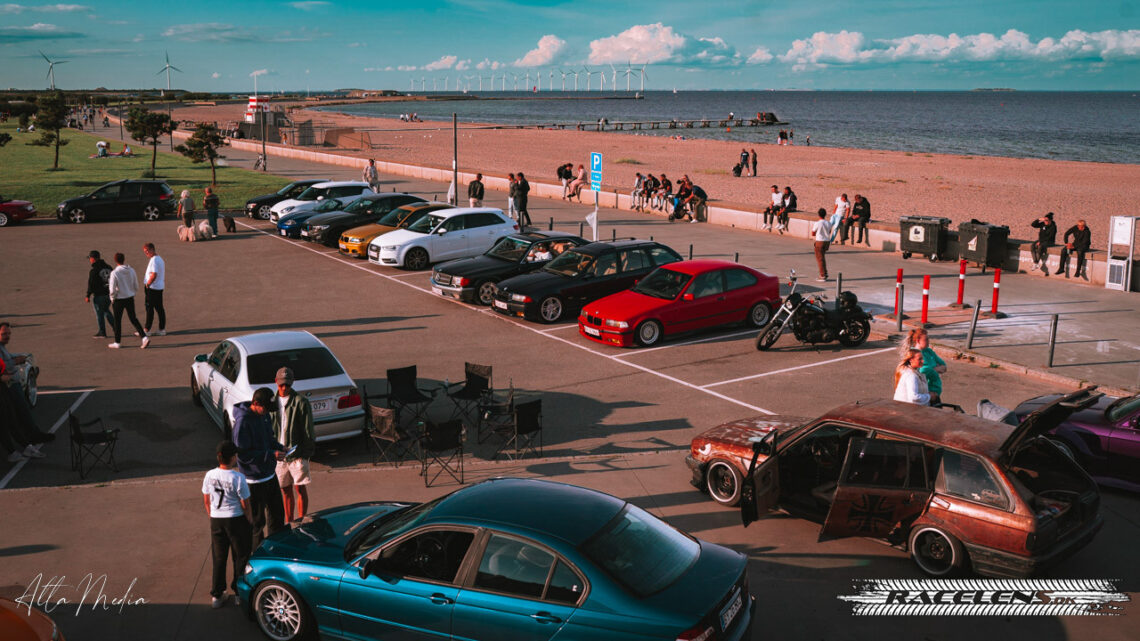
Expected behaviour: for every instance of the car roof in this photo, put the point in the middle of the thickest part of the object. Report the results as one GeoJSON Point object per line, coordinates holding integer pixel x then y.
{"type": "Point", "coordinates": [430, 206]}
{"type": "Point", "coordinates": [263, 342]}
{"type": "Point", "coordinates": [557, 510]}
{"type": "Point", "coordinates": [693, 267]}
{"type": "Point", "coordinates": [386, 195]}
{"type": "Point", "coordinates": [938, 426]}
{"type": "Point", "coordinates": [341, 183]}
{"type": "Point", "coordinates": [600, 247]}
{"type": "Point", "coordinates": [546, 235]}
{"type": "Point", "coordinates": [456, 211]}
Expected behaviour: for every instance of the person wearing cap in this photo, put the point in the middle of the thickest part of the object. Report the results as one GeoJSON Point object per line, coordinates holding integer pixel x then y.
{"type": "Point", "coordinates": [97, 293]}
{"type": "Point", "coordinates": [258, 453]}
{"type": "Point", "coordinates": [293, 425]}
{"type": "Point", "coordinates": [1046, 237]}
{"type": "Point", "coordinates": [226, 498]}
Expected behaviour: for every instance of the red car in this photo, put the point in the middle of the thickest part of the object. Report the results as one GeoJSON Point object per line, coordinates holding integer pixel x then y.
{"type": "Point", "coordinates": [13, 211]}
{"type": "Point", "coordinates": [681, 297]}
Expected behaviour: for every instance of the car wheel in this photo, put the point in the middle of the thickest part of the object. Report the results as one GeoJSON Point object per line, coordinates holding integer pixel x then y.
{"type": "Point", "coordinates": [485, 292]}
{"type": "Point", "coordinates": [760, 314]}
{"type": "Point", "coordinates": [264, 212]}
{"type": "Point", "coordinates": [280, 613]}
{"type": "Point", "coordinates": [648, 333]}
{"type": "Point", "coordinates": [936, 553]}
{"type": "Point", "coordinates": [4, 220]}
{"type": "Point", "coordinates": [32, 392]}
{"type": "Point", "coordinates": [723, 482]}
{"type": "Point", "coordinates": [550, 309]}
{"type": "Point", "coordinates": [152, 213]}
{"type": "Point", "coordinates": [855, 332]}
{"type": "Point", "coordinates": [76, 215]}
{"type": "Point", "coordinates": [195, 391]}
{"type": "Point", "coordinates": [416, 259]}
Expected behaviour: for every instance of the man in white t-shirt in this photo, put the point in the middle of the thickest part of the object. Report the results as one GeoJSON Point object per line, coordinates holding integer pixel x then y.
{"type": "Point", "coordinates": [154, 283]}
{"type": "Point", "coordinates": [840, 219]}
{"type": "Point", "coordinates": [773, 209]}
{"type": "Point", "coordinates": [225, 495]}
{"type": "Point", "coordinates": [821, 232]}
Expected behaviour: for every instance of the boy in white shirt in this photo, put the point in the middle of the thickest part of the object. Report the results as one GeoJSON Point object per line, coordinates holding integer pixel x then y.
{"type": "Point", "coordinates": [226, 497]}
{"type": "Point", "coordinates": [821, 232]}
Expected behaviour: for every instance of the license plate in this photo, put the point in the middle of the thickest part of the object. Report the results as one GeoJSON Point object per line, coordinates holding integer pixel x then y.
{"type": "Point", "coordinates": [321, 406]}
{"type": "Point", "coordinates": [437, 291]}
{"type": "Point", "coordinates": [591, 331]}
{"type": "Point", "coordinates": [284, 233]}
{"type": "Point", "coordinates": [305, 233]}
{"type": "Point", "coordinates": [731, 610]}
{"type": "Point", "coordinates": [343, 247]}
{"type": "Point", "coordinates": [500, 304]}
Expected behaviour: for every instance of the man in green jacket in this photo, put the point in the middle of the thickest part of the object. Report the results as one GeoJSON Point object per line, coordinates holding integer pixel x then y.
{"type": "Point", "coordinates": [293, 425]}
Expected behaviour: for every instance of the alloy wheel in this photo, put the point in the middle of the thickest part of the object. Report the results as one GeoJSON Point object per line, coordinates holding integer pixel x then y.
{"type": "Point", "coordinates": [151, 212]}
{"type": "Point", "coordinates": [77, 215]}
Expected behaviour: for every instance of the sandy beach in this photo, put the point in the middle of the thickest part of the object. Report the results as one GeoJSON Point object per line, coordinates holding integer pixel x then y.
{"type": "Point", "coordinates": [1004, 191]}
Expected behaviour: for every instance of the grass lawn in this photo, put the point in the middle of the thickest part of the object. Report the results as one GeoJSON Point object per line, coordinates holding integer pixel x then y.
{"type": "Point", "coordinates": [26, 174]}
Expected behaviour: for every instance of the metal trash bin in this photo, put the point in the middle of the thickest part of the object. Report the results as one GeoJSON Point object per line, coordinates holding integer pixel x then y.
{"type": "Point", "coordinates": [923, 235]}
{"type": "Point", "coordinates": [983, 243]}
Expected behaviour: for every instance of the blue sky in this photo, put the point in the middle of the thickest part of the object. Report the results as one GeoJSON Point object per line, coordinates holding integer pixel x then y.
{"type": "Point", "coordinates": [747, 44]}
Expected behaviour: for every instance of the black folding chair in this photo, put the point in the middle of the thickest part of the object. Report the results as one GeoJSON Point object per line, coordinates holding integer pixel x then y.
{"type": "Point", "coordinates": [494, 413]}
{"type": "Point", "coordinates": [474, 390]}
{"type": "Point", "coordinates": [380, 426]}
{"type": "Point", "coordinates": [523, 433]}
{"type": "Point", "coordinates": [403, 393]}
{"type": "Point", "coordinates": [99, 445]}
{"type": "Point", "coordinates": [442, 444]}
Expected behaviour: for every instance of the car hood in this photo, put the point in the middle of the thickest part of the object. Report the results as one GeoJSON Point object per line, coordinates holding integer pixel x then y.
{"type": "Point", "coordinates": [735, 438]}
{"type": "Point", "coordinates": [476, 266]}
{"type": "Point", "coordinates": [321, 536]}
{"type": "Point", "coordinates": [331, 218]}
{"type": "Point", "coordinates": [369, 231]}
{"type": "Point", "coordinates": [296, 217]}
{"type": "Point", "coordinates": [537, 281]}
{"type": "Point", "coordinates": [398, 237]}
{"type": "Point", "coordinates": [16, 203]}
{"type": "Point", "coordinates": [625, 305]}
{"type": "Point", "coordinates": [1048, 416]}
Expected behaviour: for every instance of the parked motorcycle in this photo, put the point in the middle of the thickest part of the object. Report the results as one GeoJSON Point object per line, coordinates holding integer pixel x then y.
{"type": "Point", "coordinates": [812, 322]}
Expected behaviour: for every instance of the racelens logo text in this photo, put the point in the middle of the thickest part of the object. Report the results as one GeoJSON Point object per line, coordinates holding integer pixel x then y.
{"type": "Point", "coordinates": [986, 597]}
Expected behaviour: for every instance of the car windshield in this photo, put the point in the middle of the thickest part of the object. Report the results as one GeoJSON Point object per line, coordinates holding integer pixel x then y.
{"type": "Point", "coordinates": [385, 528]}
{"type": "Point", "coordinates": [426, 224]}
{"type": "Point", "coordinates": [392, 218]}
{"type": "Point", "coordinates": [571, 263]}
{"type": "Point", "coordinates": [308, 362]}
{"type": "Point", "coordinates": [662, 283]}
{"type": "Point", "coordinates": [1122, 408]}
{"type": "Point", "coordinates": [642, 552]}
{"type": "Point", "coordinates": [332, 204]}
{"type": "Point", "coordinates": [313, 193]}
{"type": "Point", "coordinates": [510, 248]}
{"type": "Point", "coordinates": [284, 191]}
{"type": "Point", "coordinates": [359, 206]}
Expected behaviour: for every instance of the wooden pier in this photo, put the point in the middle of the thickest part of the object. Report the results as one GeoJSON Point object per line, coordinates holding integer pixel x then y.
{"type": "Point", "coordinates": [636, 125]}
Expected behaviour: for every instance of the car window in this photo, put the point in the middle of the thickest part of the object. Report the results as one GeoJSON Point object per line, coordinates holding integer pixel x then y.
{"type": "Point", "coordinates": [398, 216]}
{"type": "Point", "coordinates": [738, 279]}
{"type": "Point", "coordinates": [565, 586]}
{"type": "Point", "coordinates": [313, 193]}
{"type": "Point", "coordinates": [488, 219]}
{"type": "Point", "coordinates": [434, 555]}
{"type": "Point", "coordinates": [308, 362]}
{"type": "Point", "coordinates": [292, 191]}
{"type": "Point", "coordinates": [131, 191]}
{"type": "Point", "coordinates": [510, 248]}
{"type": "Point", "coordinates": [346, 190]}
{"type": "Point", "coordinates": [663, 255]}
{"type": "Point", "coordinates": [821, 451]}
{"type": "Point", "coordinates": [634, 259]}
{"type": "Point", "coordinates": [363, 205]}
{"type": "Point", "coordinates": [513, 566]}
{"type": "Point", "coordinates": [662, 283]}
{"type": "Point", "coordinates": [457, 223]}
{"type": "Point", "coordinates": [231, 364]}
{"type": "Point", "coordinates": [540, 252]}
{"type": "Point", "coordinates": [606, 264]}
{"type": "Point", "coordinates": [1123, 408]}
{"type": "Point", "coordinates": [215, 359]}
{"type": "Point", "coordinates": [707, 284]}
{"type": "Point", "coordinates": [967, 477]}
{"type": "Point", "coordinates": [641, 552]}
{"type": "Point", "coordinates": [885, 463]}
{"type": "Point", "coordinates": [426, 224]}
{"type": "Point", "coordinates": [572, 264]}
{"type": "Point", "coordinates": [111, 192]}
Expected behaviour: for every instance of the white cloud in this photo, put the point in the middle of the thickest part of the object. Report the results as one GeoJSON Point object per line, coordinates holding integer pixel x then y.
{"type": "Point", "coordinates": [658, 43]}
{"type": "Point", "coordinates": [224, 32]}
{"type": "Point", "coordinates": [761, 56]}
{"type": "Point", "coordinates": [548, 49]}
{"type": "Point", "coordinates": [406, 68]}
{"type": "Point", "coordinates": [487, 63]}
{"type": "Point", "coordinates": [259, 72]}
{"type": "Point", "coordinates": [354, 45]}
{"type": "Point", "coordinates": [446, 62]}
{"type": "Point", "coordinates": [823, 48]}
{"type": "Point", "coordinates": [215, 75]}
{"type": "Point", "coordinates": [47, 8]}
{"type": "Point", "coordinates": [463, 65]}
{"type": "Point", "coordinates": [37, 31]}
{"type": "Point", "coordinates": [311, 5]}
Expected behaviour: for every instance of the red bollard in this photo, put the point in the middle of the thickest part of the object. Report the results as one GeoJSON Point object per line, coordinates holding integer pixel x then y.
{"type": "Point", "coordinates": [961, 284]}
{"type": "Point", "coordinates": [898, 284]}
{"type": "Point", "coordinates": [994, 313]}
{"type": "Point", "coordinates": [925, 297]}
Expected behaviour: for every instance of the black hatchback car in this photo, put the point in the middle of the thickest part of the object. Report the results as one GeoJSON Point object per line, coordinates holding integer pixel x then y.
{"type": "Point", "coordinates": [473, 280]}
{"type": "Point", "coordinates": [579, 276]}
{"type": "Point", "coordinates": [260, 206]}
{"type": "Point", "coordinates": [146, 199]}
{"type": "Point", "coordinates": [327, 228]}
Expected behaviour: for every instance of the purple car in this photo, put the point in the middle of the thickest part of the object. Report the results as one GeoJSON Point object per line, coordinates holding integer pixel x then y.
{"type": "Point", "coordinates": [1104, 438]}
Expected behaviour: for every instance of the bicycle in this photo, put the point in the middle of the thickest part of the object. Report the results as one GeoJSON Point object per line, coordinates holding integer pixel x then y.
{"type": "Point", "coordinates": [259, 164]}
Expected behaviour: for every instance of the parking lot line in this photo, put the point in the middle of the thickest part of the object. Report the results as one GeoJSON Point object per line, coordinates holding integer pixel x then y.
{"type": "Point", "coordinates": [22, 462]}
{"type": "Point", "coordinates": [611, 357]}
{"type": "Point", "coordinates": [798, 367]}
{"type": "Point", "coordinates": [66, 391]}
{"type": "Point", "coordinates": [683, 343]}
{"type": "Point", "coordinates": [555, 329]}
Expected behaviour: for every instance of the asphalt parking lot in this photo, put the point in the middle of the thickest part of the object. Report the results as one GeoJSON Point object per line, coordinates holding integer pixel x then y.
{"type": "Point", "coordinates": [616, 420]}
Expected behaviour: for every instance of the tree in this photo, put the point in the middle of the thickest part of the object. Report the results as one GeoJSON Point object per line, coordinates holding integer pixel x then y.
{"type": "Point", "coordinates": [5, 139]}
{"type": "Point", "coordinates": [148, 127]}
{"type": "Point", "coordinates": [203, 146]}
{"type": "Point", "coordinates": [51, 117]}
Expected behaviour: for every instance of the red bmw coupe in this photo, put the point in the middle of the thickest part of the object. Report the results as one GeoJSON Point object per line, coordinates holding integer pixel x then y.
{"type": "Point", "coordinates": [681, 297]}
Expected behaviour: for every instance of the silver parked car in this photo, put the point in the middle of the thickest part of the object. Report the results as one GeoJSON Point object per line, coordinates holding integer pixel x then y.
{"type": "Point", "coordinates": [239, 365]}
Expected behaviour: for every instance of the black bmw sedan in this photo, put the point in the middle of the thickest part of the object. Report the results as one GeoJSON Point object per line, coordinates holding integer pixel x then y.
{"type": "Point", "coordinates": [327, 228]}
{"type": "Point", "coordinates": [473, 280]}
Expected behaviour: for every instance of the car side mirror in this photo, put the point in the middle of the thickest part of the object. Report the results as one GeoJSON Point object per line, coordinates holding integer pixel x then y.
{"type": "Point", "coordinates": [365, 568]}
{"type": "Point", "coordinates": [320, 197]}
{"type": "Point", "coordinates": [686, 296]}
{"type": "Point", "coordinates": [201, 358]}
{"type": "Point", "coordinates": [441, 231]}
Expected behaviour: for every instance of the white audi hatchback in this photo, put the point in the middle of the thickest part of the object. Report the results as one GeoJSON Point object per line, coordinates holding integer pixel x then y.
{"type": "Point", "coordinates": [446, 234]}
{"type": "Point", "coordinates": [239, 365]}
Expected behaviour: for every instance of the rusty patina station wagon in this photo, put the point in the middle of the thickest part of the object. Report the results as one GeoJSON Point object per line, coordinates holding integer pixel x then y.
{"type": "Point", "coordinates": [956, 491]}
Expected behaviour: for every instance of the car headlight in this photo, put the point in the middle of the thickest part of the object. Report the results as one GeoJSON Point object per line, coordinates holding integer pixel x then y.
{"type": "Point", "coordinates": [520, 298]}
{"type": "Point", "coordinates": [350, 239]}
{"type": "Point", "coordinates": [390, 248]}
{"type": "Point", "coordinates": [61, 206]}
{"type": "Point", "coordinates": [318, 227]}
{"type": "Point", "coordinates": [248, 569]}
{"type": "Point", "coordinates": [617, 324]}
{"type": "Point", "coordinates": [30, 207]}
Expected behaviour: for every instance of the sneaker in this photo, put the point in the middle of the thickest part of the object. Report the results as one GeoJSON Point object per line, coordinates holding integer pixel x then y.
{"type": "Point", "coordinates": [99, 336]}
{"type": "Point", "coordinates": [237, 600]}
{"type": "Point", "coordinates": [161, 332]}
{"type": "Point", "coordinates": [137, 334]}
{"type": "Point", "coordinates": [145, 342]}
{"type": "Point", "coordinates": [15, 457]}
{"type": "Point", "coordinates": [32, 451]}
{"type": "Point", "coordinates": [114, 346]}
{"type": "Point", "coordinates": [693, 220]}
{"type": "Point", "coordinates": [217, 602]}
{"type": "Point", "coordinates": [821, 279]}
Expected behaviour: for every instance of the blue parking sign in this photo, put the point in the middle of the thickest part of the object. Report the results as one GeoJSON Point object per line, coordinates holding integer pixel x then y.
{"type": "Point", "coordinates": [595, 168]}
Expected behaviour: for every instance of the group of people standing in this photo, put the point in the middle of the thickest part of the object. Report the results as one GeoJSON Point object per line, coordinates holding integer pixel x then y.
{"type": "Point", "coordinates": [210, 202]}
{"type": "Point", "coordinates": [1077, 240]}
{"type": "Point", "coordinates": [747, 164]}
{"type": "Point", "coordinates": [112, 291]}
{"type": "Point", "coordinates": [918, 376]}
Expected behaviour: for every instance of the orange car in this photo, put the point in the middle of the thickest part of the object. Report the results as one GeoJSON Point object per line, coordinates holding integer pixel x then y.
{"type": "Point", "coordinates": [18, 623]}
{"type": "Point", "coordinates": [354, 242]}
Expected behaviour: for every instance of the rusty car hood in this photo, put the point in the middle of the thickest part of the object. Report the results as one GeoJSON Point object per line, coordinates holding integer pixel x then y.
{"type": "Point", "coordinates": [734, 439]}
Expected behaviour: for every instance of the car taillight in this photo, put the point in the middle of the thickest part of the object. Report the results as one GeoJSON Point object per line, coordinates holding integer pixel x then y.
{"type": "Point", "coordinates": [516, 226]}
{"type": "Point", "coordinates": [461, 281]}
{"type": "Point", "coordinates": [164, 196]}
{"type": "Point", "coordinates": [700, 633]}
{"type": "Point", "coordinates": [351, 400]}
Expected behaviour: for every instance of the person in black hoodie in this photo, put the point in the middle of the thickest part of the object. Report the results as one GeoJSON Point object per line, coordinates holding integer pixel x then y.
{"type": "Point", "coordinates": [520, 202]}
{"type": "Point", "coordinates": [97, 293]}
{"type": "Point", "coordinates": [1046, 237]}
{"type": "Point", "coordinates": [1080, 243]}
{"type": "Point", "coordinates": [258, 453]}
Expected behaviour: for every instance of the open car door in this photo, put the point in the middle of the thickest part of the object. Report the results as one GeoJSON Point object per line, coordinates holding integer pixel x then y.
{"type": "Point", "coordinates": [883, 483]}
{"type": "Point", "coordinates": [760, 489]}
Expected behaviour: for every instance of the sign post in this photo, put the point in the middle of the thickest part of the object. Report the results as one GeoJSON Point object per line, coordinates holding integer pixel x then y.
{"type": "Point", "coordinates": [596, 185]}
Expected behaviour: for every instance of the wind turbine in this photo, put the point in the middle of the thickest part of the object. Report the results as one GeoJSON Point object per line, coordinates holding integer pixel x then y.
{"type": "Point", "coordinates": [589, 76]}
{"type": "Point", "coordinates": [51, 68]}
{"type": "Point", "coordinates": [527, 85]}
{"type": "Point", "coordinates": [613, 80]}
{"type": "Point", "coordinates": [551, 87]}
{"type": "Point", "coordinates": [564, 74]}
{"type": "Point", "coordinates": [167, 69]}
{"type": "Point", "coordinates": [643, 76]}
{"type": "Point", "coordinates": [514, 81]}
{"type": "Point", "coordinates": [628, 73]}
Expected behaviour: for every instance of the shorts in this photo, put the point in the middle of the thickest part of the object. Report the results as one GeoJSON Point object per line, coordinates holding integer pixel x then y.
{"type": "Point", "coordinates": [295, 472]}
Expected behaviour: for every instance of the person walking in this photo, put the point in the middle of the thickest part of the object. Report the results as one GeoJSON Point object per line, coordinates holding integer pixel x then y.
{"type": "Point", "coordinates": [154, 283]}
{"type": "Point", "coordinates": [933, 367]}
{"type": "Point", "coordinates": [910, 385]}
{"type": "Point", "coordinates": [123, 286]}
{"type": "Point", "coordinates": [371, 176]}
{"type": "Point", "coordinates": [565, 174]}
{"type": "Point", "coordinates": [1078, 238]}
{"type": "Point", "coordinates": [521, 201]}
{"type": "Point", "coordinates": [225, 496]}
{"type": "Point", "coordinates": [475, 191]}
{"type": "Point", "coordinates": [861, 214]}
{"type": "Point", "coordinates": [821, 231]}
{"type": "Point", "coordinates": [293, 425]}
{"type": "Point", "coordinates": [752, 154]}
{"type": "Point", "coordinates": [1046, 237]}
{"type": "Point", "coordinates": [258, 454]}
{"type": "Point", "coordinates": [512, 192]}
{"type": "Point", "coordinates": [210, 203]}
{"type": "Point", "coordinates": [97, 294]}
{"type": "Point", "coordinates": [186, 208]}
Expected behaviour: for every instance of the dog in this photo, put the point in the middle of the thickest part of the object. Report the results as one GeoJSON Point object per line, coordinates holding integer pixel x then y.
{"type": "Point", "coordinates": [203, 231]}
{"type": "Point", "coordinates": [185, 234]}
{"type": "Point", "coordinates": [228, 223]}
